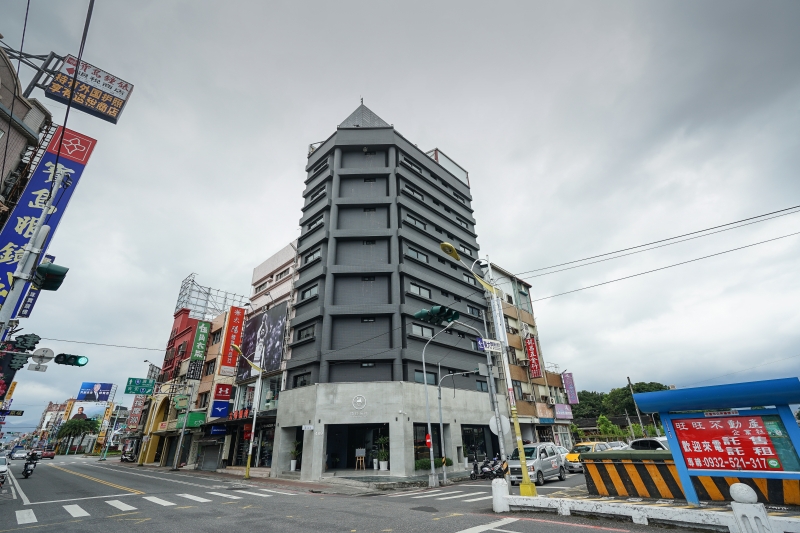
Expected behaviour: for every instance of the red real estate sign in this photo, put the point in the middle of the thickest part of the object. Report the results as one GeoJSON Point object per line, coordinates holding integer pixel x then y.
{"type": "Point", "coordinates": [533, 357]}
{"type": "Point", "coordinates": [729, 443]}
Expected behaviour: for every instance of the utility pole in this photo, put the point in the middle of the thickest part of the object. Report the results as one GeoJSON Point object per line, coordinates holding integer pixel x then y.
{"type": "Point", "coordinates": [644, 431]}
{"type": "Point", "coordinates": [183, 430]}
{"type": "Point", "coordinates": [109, 435]}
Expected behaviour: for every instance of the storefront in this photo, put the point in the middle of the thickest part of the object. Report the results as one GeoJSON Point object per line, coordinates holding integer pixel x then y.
{"type": "Point", "coordinates": [344, 440]}
{"type": "Point", "coordinates": [479, 442]}
{"type": "Point", "coordinates": [239, 428]}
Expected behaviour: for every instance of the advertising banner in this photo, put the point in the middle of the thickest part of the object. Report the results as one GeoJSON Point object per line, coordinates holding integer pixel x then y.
{"type": "Point", "coordinates": [232, 335]}
{"type": "Point", "coordinates": [533, 357]}
{"type": "Point", "coordinates": [262, 341]}
{"type": "Point", "coordinates": [195, 420]}
{"type": "Point", "coordinates": [569, 386]}
{"type": "Point", "coordinates": [731, 443]}
{"type": "Point", "coordinates": [88, 410]}
{"type": "Point", "coordinates": [75, 152]}
{"type": "Point", "coordinates": [94, 392]}
{"type": "Point", "coordinates": [563, 411]}
{"type": "Point", "coordinates": [200, 341]}
{"type": "Point", "coordinates": [217, 430]}
{"type": "Point", "coordinates": [96, 91]}
{"type": "Point", "coordinates": [194, 370]}
{"type": "Point", "coordinates": [33, 294]}
{"type": "Point", "coordinates": [222, 391]}
{"type": "Point", "coordinates": [219, 408]}
{"type": "Point", "coordinates": [135, 417]}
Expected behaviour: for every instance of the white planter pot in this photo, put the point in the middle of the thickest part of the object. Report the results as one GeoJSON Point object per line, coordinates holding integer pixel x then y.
{"type": "Point", "coordinates": [375, 464]}
{"type": "Point", "coordinates": [384, 465]}
{"type": "Point", "coordinates": [293, 464]}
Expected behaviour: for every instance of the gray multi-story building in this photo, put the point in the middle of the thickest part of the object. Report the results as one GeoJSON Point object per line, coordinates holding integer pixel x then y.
{"type": "Point", "coordinates": [376, 209]}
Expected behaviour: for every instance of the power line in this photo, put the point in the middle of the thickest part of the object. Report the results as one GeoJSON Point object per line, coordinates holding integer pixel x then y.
{"type": "Point", "coordinates": [664, 268]}
{"type": "Point", "coordinates": [101, 344]}
{"type": "Point", "coordinates": [661, 240]}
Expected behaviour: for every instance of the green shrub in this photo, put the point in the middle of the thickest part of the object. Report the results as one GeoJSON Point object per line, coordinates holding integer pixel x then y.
{"type": "Point", "coordinates": [425, 464]}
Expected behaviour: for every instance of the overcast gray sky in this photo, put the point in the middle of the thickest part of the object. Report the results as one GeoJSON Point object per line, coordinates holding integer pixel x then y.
{"type": "Point", "coordinates": [585, 126]}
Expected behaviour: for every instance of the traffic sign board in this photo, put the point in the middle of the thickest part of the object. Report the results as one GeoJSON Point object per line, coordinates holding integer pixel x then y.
{"type": "Point", "coordinates": [6, 412]}
{"type": "Point", "coordinates": [140, 386]}
{"type": "Point", "coordinates": [489, 345]}
{"type": "Point", "coordinates": [428, 440]}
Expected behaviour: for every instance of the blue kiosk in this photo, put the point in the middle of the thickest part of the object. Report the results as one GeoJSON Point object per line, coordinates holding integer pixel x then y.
{"type": "Point", "coordinates": [738, 433]}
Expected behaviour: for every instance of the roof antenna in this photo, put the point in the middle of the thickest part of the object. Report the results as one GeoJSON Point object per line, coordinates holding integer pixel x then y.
{"type": "Point", "coordinates": [362, 100]}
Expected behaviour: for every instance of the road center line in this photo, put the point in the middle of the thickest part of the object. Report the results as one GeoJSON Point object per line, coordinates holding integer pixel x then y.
{"type": "Point", "coordinates": [124, 470]}
{"type": "Point", "coordinates": [102, 481]}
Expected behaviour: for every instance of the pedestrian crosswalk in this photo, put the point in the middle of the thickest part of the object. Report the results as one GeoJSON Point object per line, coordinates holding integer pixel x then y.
{"type": "Point", "coordinates": [28, 516]}
{"type": "Point", "coordinates": [440, 494]}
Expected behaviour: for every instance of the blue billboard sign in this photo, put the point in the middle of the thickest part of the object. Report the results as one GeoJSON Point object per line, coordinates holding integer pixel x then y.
{"type": "Point", "coordinates": [21, 225]}
{"type": "Point", "coordinates": [219, 409]}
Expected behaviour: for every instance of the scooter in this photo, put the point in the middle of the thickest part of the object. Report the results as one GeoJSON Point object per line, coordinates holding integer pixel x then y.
{"type": "Point", "coordinates": [485, 471]}
{"type": "Point", "coordinates": [127, 457]}
{"type": "Point", "coordinates": [27, 470]}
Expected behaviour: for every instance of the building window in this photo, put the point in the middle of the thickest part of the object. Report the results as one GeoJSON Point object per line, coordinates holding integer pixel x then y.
{"type": "Point", "coordinates": [416, 222]}
{"type": "Point", "coordinates": [442, 261]}
{"type": "Point", "coordinates": [368, 243]}
{"type": "Point", "coordinates": [435, 201]}
{"type": "Point", "coordinates": [367, 278]}
{"type": "Point", "coordinates": [447, 210]}
{"type": "Point", "coordinates": [415, 193]}
{"type": "Point", "coordinates": [517, 389]}
{"type": "Point", "coordinates": [282, 274]}
{"type": "Point", "coordinates": [413, 166]}
{"type": "Point", "coordinates": [313, 255]}
{"type": "Point", "coordinates": [509, 299]}
{"type": "Point", "coordinates": [482, 386]}
{"type": "Point", "coordinates": [309, 292]}
{"type": "Point", "coordinates": [416, 254]}
{"type": "Point", "coordinates": [369, 180]}
{"type": "Point", "coordinates": [260, 287]}
{"type": "Point", "coordinates": [369, 209]}
{"type": "Point", "coordinates": [474, 345]}
{"type": "Point", "coordinates": [216, 336]}
{"type": "Point", "coordinates": [420, 290]}
{"type": "Point", "coordinates": [314, 223]}
{"type": "Point", "coordinates": [211, 366]}
{"type": "Point", "coordinates": [202, 400]}
{"type": "Point", "coordinates": [469, 279]}
{"type": "Point", "coordinates": [445, 294]}
{"type": "Point", "coordinates": [368, 319]}
{"type": "Point", "coordinates": [463, 223]}
{"type": "Point", "coordinates": [465, 250]}
{"type": "Point", "coordinates": [316, 194]}
{"type": "Point", "coordinates": [301, 380]}
{"type": "Point", "coordinates": [367, 365]}
{"type": "Point", "coordinates": [473, 310]}
{"type": "Point", "coordinates": [305, 333]}
{"type": "Point", "coordinates": [431, 377]}
{"type": "Point", "coordinates": [421, 331]}
{"type": "Point", "coordinates": [457, 298]}
{"type": "Point", "coordinates": [438, 230]}
{"type": "Point", "coordinates": [460, 335]}
{"type": "Point", "coordinates": [459, 197]}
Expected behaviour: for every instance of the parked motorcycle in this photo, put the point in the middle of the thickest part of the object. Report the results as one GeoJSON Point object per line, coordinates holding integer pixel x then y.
{"type": "Point", "coordinates": [127, 457]}
{"type": "Point", "coordinates": [489, 469]}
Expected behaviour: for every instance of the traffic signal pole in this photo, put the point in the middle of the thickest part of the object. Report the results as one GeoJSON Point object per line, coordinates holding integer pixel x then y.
{"type": "Point", "coordinates": [27, 263]}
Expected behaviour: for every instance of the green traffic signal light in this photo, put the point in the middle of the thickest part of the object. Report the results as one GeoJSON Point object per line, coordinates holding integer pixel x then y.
{"type": "Point", "coordinates": [437, 315]}
{"type": "Point", "coordinates": [49, 276]}
{"type": "Point", "coordinates": [71, 360]}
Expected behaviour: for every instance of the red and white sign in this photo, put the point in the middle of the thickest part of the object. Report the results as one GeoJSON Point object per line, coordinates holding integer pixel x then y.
{"type": "Point", "coordinates": [731, 443]}
{"type": "Point", "coordinates": [533, 357]}
{"type": "Point", "coordinates": [222, 391]}
{"type": "Point", "coordinates": [136, 411]}
{"type": "Point", "coordinates": [75, 147]}
{"type": "Point", "coordinates": [428, 440]}
{"type": "Point", "coordinates": [233, 335]}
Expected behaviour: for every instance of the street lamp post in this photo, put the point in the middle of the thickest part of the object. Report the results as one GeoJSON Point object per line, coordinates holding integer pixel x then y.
{"type": "Point", "coordinates": [256, 402]}
{"type": "Point", "coordinates": [108, 439]}
{"type": "Point", "coordinates": [526, 488]}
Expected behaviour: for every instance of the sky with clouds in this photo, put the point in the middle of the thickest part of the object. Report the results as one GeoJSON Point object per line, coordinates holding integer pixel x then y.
{"type": "Point", "coordinates": [586, 127]}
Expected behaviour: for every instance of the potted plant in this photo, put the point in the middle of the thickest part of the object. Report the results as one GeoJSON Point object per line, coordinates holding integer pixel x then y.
{"type": "Point", "coordinates": [295, 452]}
{"type": "Point", "coordinates": [383, 453]}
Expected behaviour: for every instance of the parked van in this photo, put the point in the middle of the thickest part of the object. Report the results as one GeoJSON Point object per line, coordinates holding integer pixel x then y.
{"type": "Point", "coordinates": [543, 460]}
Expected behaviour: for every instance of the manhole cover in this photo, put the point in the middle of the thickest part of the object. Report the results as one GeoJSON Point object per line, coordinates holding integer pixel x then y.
{"type": "Point", "coordinates": [426, 509]}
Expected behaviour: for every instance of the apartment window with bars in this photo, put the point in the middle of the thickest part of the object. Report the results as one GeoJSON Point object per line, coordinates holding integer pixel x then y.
{"type": "Point", "coordinates": [420, 290]}
{"type": "Point", "coordinates": [421, 331]}
{"type": "Point", "coordinates": [309, 292]}
{"type": "Point", "coordinates": [316, 194]}
{"type": "Point", "coordinates": [216, 336]}
{"type": "Point", "coordinates": [463, 223]}
{"type": "Point", "coordinates": [416, 222]}
{"type": "Point", "coordinates": [415, 193]}
{"type": "Point", "coordinates": [517, 389]}
{"type": "Point", "coordinates": [313, 255]}
{"type": "Point", "coordinates": [416, 254]}
{"type": "Point", "coordinates": [305, 333]}
{"type": "Point", "coordinates": [314, 223]}
{"type": "Point", "coordinates": [260, 287]}
{"type": "Point", "coordinates": [211, 366]}
{"type": "Point", "coordinates": [282, 274]}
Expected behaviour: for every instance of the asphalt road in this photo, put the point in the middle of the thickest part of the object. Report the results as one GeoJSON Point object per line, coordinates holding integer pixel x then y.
{"type": "Point", "coordinates": [85, 495]}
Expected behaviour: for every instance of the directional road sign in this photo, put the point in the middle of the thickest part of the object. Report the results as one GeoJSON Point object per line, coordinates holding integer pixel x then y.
{"type": "Point", "coordinates": [489, 345]}
{"type": "Point", "coordinates": [140, 386]}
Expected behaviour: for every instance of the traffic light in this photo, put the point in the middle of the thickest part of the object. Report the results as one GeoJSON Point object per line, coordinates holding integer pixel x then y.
{"type": "Point", "coordinates": [18, 361]}
{"type": "Point", "coordinates": [26, 342]}
{"type": "Point", "coordinates": [437, 315]}
{"type": "Point", "coordinates": [71, 360]}
{"type": "Point", "coordinates": [49, 276]}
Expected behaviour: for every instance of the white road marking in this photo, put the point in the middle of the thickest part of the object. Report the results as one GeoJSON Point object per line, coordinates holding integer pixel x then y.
{"type": "Point", "coordinates": [462, 496]}
{"type": "Point", "coordinates": [479, 499]}
{"type": "Point", "coordinates": [429, 495]}
{"type": "Point", "coordinates": [279, 492]}
{"type": "Point", "coordinates": [489, 527]}
{"type": "Point", "coordinates": [401, 495]}
{"type": "Point", "coordinates": [121, 506]}
{"type": "Point", "coordinates": [192, 497]}
{"type": "Point", "coordinates": [22, 495]}
{"type": "Point", "coordinates": [26, 516]}
{"type": "Point", "coordinates": [125, 470]}
{"type": "Point", "coordinates": [255, 493]}
{"type": "Point", "coordinates": [75, 510]}
{"type": "Point", "coordinates": [222, 495]}
{"type": "Point", "coordinates": [159, 501]}
{"type": "Point", "coordinates": [86, 498]}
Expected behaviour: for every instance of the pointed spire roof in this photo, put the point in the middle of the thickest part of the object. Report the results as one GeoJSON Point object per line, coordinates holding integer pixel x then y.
{"type": "Point", "coordinates": [363, 117]}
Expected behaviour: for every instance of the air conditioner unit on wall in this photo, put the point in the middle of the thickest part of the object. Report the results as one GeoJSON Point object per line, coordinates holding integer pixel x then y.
{"type": "Point", "coordinates": [551, 401]}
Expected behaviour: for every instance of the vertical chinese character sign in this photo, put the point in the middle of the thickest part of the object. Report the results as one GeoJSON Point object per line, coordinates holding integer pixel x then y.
{"type": "Point", "coordinates": [233, 335]}
{"type": "Point", "coordinates": [533, 357]}
{"type": "Point", "coordinates": [569, 386]}
{"type": "Point", "coordinates": [75, 152]}
{"type": "Point", "coordinates": [197, 356]}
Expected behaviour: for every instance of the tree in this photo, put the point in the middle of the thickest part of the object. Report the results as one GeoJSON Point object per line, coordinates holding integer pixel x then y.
{"type": "Point", "coordinates": [77, 428]}
{"type": "Point", "coordinates": [607, 428]}
{"type": "Point", "coordinates": [617, 401]}
{"type": "Point", "coordinates": [590, 406]}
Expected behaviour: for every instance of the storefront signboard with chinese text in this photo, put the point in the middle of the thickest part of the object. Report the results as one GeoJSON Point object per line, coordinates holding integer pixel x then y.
{"type": "Point", "coordinates": [232, 335]}
{"type": "Point", "coordinates": [569, 386]}
{"type": "Point", "coordinates": [534, 365]}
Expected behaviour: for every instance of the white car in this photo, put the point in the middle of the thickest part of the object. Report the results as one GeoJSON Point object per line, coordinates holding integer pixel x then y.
{"type": "Point", "coordinates": [3, 466]}
{"type": "Point", "coordinates": [19, 454]}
